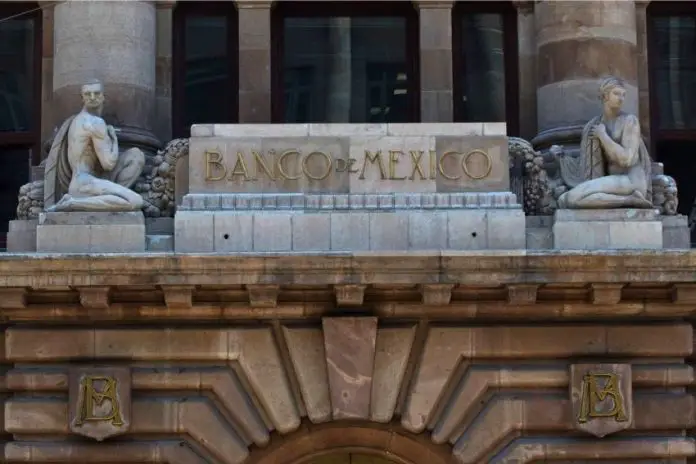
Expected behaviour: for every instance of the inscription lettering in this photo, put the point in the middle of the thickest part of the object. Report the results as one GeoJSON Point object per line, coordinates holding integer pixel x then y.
{"type": "Point", "coordinates": [316, 165]}
{"type": "Point", "coordinates": [601, 397]}
{"type": "Point", "coordinates": [94, 399]}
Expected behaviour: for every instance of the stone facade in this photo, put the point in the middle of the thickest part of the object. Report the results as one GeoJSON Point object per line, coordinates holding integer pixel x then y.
{"type": "Point", "coordinates": [345, 320]}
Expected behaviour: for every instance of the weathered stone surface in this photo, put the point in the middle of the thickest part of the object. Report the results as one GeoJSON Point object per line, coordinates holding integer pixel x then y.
{"type": "Point", "coordinates": [607, 229]}
{"type": "Point", "coordinates": [21, 236]}
{"type": "Point", "coordinates": [602, 397]}
{"type": "Point", "coordinates": [73, 232]}
{"type": "Point", "coordinates": [350, 353]}
{"type": "Point", "coordinates": [100, 401]}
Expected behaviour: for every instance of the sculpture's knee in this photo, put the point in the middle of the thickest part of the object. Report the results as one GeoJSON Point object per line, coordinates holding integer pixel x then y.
{"type": "Point", "coordinates": [135, 158]}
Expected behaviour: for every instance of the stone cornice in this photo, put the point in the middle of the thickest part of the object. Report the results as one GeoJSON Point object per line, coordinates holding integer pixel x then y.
{"type": "Point", "coordinates": [461, 268]}
{"type": "Point", "coordinates": [446, 286]}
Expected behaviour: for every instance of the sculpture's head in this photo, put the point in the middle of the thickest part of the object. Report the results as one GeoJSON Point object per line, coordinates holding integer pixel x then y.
{"type": "Point", "coordinates": [612, 92]}
{"type": "Point", "coordinates": [93, 95]}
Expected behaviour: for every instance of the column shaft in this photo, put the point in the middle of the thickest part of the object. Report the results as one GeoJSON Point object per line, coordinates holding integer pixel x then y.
{"type": "Point", "coordinates": [113, 41]}
{"type": "Point", "coordinates": [435, 19]}
{"type": "Point", "coordinates": [254, 61]}
{"type": "Point", "coordinates": [578, 43]}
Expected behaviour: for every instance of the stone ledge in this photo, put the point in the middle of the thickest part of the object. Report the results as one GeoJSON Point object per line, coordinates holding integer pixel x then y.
{"type": "Point", "coordinates": [92, 218]}
{"type": "Point", "coordinates": [360, 130]}
{"type": "Point", "coordinates": [332, 202]}
{"type": "Point", "coordinates": [368, 267]}
{"type": "Point", "coordinates": [629, 214]}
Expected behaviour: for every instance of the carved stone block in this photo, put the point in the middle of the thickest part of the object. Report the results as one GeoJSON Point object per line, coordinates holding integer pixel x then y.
{"type": "Point", "coordinates": [349, 344]}
{"type": "Point", "coordinates": [602, 397]}
{"type": "Point", "coordinates": [99, 401]}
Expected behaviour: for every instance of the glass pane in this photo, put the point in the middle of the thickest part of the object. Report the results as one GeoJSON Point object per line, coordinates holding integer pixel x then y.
{"type": "Point", "coordinates": [345, 69]}
{"type": "Point", "coordinates": [674, 66]}
{"type": "Point", "coordinates": [16, 74]}
{"type": "Point", "coordinates": [206, 84]}
{"type": "Point", "coordinates": [14, 172]}
{"type": "Point", "coordinates": [483, 76]}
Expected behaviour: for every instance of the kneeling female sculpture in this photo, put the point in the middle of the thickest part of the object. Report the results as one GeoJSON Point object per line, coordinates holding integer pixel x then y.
{"type": "Point", "coordinates": [85, 171]}
{"type": "Point", "coordinates": [614, 164]}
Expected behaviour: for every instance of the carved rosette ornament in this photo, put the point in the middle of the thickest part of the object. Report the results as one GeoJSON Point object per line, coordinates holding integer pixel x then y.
{"type": "Point", "coordinates": [602, 398]}
{"type": "Point", "coordinates": [100, 401]}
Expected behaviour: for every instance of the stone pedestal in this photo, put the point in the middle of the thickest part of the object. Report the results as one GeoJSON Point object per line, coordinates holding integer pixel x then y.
{"type": "Point", "coordinates": [91, 232]}
{"type": "Point", "coordinates": [614, 229]}
{"type": "Point", "coordinates": [343, 222]}
{"type": "Point", "coordinates": [21, 237]}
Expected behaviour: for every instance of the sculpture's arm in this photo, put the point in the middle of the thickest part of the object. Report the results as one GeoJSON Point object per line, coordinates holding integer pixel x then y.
{"type": "Point", "coordinates": [105, 145]}
{"type": "Point", "coordinates": [626, 153]}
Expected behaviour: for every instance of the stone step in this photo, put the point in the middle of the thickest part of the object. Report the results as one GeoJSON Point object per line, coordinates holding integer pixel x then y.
{"type": "Point", "coordinates": [159, 242]}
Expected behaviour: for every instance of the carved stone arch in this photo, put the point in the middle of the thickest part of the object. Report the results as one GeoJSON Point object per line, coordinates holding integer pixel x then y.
{"type": "Point", "coordinates": [389, 441]}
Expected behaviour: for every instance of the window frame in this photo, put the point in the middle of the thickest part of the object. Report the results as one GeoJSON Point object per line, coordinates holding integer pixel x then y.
{"type": "Point", "coordinates": [30, 139]}
{"type": "Point", "coordinates": [182, 11]}
{"type": "Point", "coordinates": [309, 9]}
{"type": "Point", "coordinates": [510, 56]}
{"type": "Point", "coordinates": [657, 9]}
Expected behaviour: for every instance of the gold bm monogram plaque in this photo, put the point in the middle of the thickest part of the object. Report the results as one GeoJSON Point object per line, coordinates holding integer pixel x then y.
{"type": "Point", "coordinates": [318, 165]}
{"type": "Point", "coordinates": [100, 401]}
{"type": "Point", "coordinates": [602, 397]}
{"type": "Point", "coordinates": [92, 399]}
{"type": "Point", "coordinates": [599, 388]}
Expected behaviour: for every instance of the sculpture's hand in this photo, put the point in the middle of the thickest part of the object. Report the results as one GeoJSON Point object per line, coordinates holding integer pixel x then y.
{"type": "Point", "coordinates": [111, 131]}
{"type": "Point", "coordinates": [598, 131]}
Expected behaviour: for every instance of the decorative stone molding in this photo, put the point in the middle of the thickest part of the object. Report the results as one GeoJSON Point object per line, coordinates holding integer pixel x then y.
{"type": "Point", "coordinates": [606, 294]}
{"type": "Point", "coordinates": [178, 296]}
{"type": "Point", "coordinates": [524, 7]}
{"type": "Point", "coordinates": [522, 293]}
{"type": "Point", "coordinates": [349, 295]}
{"type": "Point", "coordinates": [684, 293]}
{"type": "Point", "coordinates": [263, 296]}
{"type": "Point", "coordinates": [95, 297]}
{"type": "Point", "coordinates": [13, 297]}
{"type": "Point", "coordinates": [254, 4]}
{"type": "Point", "coordinates": [420, 4]}
{"type": "Point", "coordinates": [436, 294]}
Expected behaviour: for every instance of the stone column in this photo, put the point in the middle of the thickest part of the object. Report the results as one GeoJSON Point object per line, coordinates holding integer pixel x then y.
{"type": "Point", "coordinates": [254, 61]}
{"type": "Point", "coordinates": [163, 74]}
{"type": "Point", "coordinates": [339, 74]}
{"type": "Point", "coordinates": [436, 60]}
{"type": "Point", "coordinates": [579, 42]}
{"type": "Point", "coordinates": [643, 70]}
{"type": "Point", "coordinates": [113, 41]}
{"type": "Point", "coordinates": [527, 53]}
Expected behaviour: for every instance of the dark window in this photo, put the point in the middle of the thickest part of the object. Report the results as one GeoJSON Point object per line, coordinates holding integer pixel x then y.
{"type": "Point", "coordinates": [205, 65]}
{"type": "Point", "coordinates": [672, 63]}
{"type": "Point", "coordinates": [345, 62]}
{"type": "Point", "coordinates": [20, 102]}
{"type": "Point", "coordinates": [485, 63]}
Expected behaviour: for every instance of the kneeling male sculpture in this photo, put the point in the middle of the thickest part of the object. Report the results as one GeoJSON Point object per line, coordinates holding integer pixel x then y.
{"type": "Point", "coordinates": [615, 167]}
{"type": "Point", "coordinates": [85, 170]}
